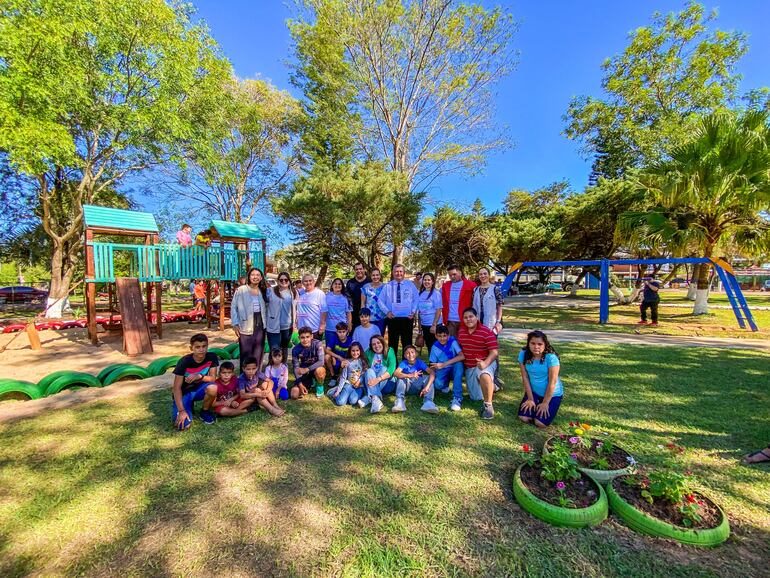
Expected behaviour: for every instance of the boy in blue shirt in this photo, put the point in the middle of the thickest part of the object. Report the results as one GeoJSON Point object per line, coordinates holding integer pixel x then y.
{"type": "Point", "coordinates": [445, 362]}
{"type": "Point", "coordinates": [414, 378]}
{"type": "Point", "coordinates": [337, 351]}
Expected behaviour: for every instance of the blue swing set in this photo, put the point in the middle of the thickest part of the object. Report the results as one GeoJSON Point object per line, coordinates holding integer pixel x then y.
{"type": "Point", "coordinates": [723, 269]}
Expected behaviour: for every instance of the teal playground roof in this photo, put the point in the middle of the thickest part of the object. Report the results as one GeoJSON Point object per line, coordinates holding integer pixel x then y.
{"type": "Point", "coordinates": [237, 230]}
{"type": "Point", "coordinates": [119, 219]}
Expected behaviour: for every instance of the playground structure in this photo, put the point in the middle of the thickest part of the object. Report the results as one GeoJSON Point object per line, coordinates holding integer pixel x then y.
{"type": "Point", "coordinates": [151, 262]}
{"type": "Point", "coordinates": [723, 269]}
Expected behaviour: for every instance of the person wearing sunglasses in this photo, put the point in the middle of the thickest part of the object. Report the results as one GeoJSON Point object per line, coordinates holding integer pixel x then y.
{"type": "Point", "coordinates": [282, 315]}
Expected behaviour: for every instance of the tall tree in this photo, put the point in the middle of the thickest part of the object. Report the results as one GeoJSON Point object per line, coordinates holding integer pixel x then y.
{"type": "Point", "coordinates": [672, 71]}
{"type": "Point", "coordinates": [418, 79]}
{"type": "Point", "coordinates": [713, 189]}
{"type": "Point", "coordinates": [246, 153]}
{"type": "Point", "coordinates": [92, 91]}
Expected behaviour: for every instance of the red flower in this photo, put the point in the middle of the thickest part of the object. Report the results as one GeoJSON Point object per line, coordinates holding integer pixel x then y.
{"type": "Point", "coordinates": [670, 445]}
{"type": "Point", "coordinates": [691, 499]}
{"type": "Point", "coordinates": [526, 448]}
{"type": "Point", "coordinates": [687, 473]}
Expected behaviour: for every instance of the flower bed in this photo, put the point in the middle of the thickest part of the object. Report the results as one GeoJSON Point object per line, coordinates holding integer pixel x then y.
{"type": "Point", "coordinates": [642, 503]}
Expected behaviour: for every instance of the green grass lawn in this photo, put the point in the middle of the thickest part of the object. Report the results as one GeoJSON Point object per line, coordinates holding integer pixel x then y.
{"type": "Point", "coordinates": [624, 318]}
{"type": "Point", "coordinates": [108, 489]}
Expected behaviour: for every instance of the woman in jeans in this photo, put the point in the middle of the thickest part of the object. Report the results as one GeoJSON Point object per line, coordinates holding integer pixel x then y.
{"type": "Point", "coordinates": [282, 314]}
{"type": "Point", "coordinates": [248, 314]}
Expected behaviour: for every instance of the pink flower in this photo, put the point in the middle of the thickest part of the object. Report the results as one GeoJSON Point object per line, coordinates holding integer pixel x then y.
{"type": "Point", "coordinates": [560, 485]}
{"type": "Point", "coordinates": [574, 440]}
{"type": "Point", "coordinates": [573, 456]}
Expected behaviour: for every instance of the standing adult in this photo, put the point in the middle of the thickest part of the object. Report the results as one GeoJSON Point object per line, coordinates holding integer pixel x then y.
{"type": "Point", "coordinates": [311, 307]}
{"type": "Point", "coordinates": [650, 300]}
{"type": "Point", "coordinates": [400, 299]}
{"type": "Point", "coordinates": [479, 351]}
{"type": "Point", "coordinates": [488, 301]}
{"type": "Point", "coordinates": [338, 309]}
{"type": "Point", "coordinates": [353, 291]}
{"type": "Point", "coordinates": [248, 314]}
{"type": "Point", "coordinates": [281, 314]}
{"type": "Point", "coordinates": [428, 309]}
{"type": "Point", "coordinates": [456, 297]}
{"type": "Point", "coordinates": [371, 298]}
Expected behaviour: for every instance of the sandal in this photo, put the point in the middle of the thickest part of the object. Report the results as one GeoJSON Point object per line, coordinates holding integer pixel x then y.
{"type": "Point", "coordinates": [747, 459]}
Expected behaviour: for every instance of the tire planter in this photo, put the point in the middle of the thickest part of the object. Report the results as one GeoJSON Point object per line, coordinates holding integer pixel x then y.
{"type": "Point", "coordinates": [162, 365]}
{"type": "Point", "coordinates": [593, 515]}
{"type": "Point", "coordinates": [234, 349]}
{"type": "Point", "coordinates": [102, 375]}
{"type": "Point", "coordinates": [603, 477]}
{"type": "Point", "coordinates": [221, 353]}
{"type": "Point", "coordinates": [129, 371]}
{"type": "Point", "coordinates": [72, 379]}
{"type": "Point", "coordinates": [17, 387]}
{"type": "Point", "coordinates": [45, 382]}
{"type": "Point", "coordinates": [14, 328]}
{"type": "Point", "coordinates": [646, 524]}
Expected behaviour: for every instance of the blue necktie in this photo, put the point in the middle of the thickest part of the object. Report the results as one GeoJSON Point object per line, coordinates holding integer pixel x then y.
{"type": "Point", "coordinates": [398, 292]}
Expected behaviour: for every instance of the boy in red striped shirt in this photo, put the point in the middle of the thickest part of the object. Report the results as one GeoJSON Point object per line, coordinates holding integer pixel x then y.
{"type": "Point", "coordinates": [479, 351]}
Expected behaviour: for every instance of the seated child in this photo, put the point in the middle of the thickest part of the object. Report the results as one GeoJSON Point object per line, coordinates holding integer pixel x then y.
{"type": "Point", "coordinates": [543, 389]}
{"type": "Point", "coordinates": [307, 359]}
{"type": "Point", "coordinates": [194, 377]}
{"type": "Point", "coordinates": [337, 346]}
{"type": "Point", "coordinates": [351, 386]}
{"type": "Point", "coordinates": [379, 377]}
{"type": "Point", "coordinates": [444, 361]}
{"type": "Point", "coordinates": [228, 402]}
{"type": "Point", "coordinates": [256, 388]}
{"type": "Point", "coordinates": [363, 333]}
{"type": "Point", "coordinates": [278, 373]}
{"type": "Point", "coordinates": [414, 378]}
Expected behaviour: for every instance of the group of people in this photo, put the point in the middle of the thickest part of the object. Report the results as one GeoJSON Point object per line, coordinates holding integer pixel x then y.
{"type": "Point", "coordinates": [342, 339]}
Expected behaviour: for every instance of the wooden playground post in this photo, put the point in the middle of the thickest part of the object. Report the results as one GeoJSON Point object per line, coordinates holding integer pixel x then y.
{"type": "Point", "coordinates": [90, 289]}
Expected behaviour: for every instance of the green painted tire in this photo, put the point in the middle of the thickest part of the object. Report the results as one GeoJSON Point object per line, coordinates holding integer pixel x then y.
{"type": "Point", "coordinates": [51, 377]}
{"type": "Point", "coordinates": [102, 375]}
{"type": "Point", "coordinates": [127, 372]}
{"type": "Point", "coordinates": [294, 338]}
{"type": "Point", "coordinates": [72, 379]}
{"type": "Point", "coordinates": [162, 365]}
{"type": "Point", "coordinates": [233, 349]}
{"type": "Point", "coordinates": [601, 476]}
{"type": "Point", "coordinates": [13, 387]}
{"type": "Point", "coordinates": [221, 353]}
{"type": "Point", "coordinates": [593, 515]}
{"type": "Point", "coordinates": [646, 524]}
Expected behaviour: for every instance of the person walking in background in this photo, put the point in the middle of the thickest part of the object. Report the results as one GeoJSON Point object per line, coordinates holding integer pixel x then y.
{"type": "Point", "coordinates": [650, 300]}
{"type": "Point", "coordinates": [456, 297]}
{"type": "Point", "coordinates": [371, 298]}
{"type": "Point", "coordinates": [400, 300]}
{"type": "Point", "coordinates": [248, 315]}
{"type": "Point", "coordinates": [183, 236]}
{"type": "Point", "coordinates": [353, 291]}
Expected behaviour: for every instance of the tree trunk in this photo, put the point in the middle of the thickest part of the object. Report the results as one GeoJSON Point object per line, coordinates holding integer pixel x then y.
{"type": "Point", "coordinates": [62, 270]}
{"type": "Point", "coordinates": [618, 294]}
{"type": "Point", "coordinates": [397, 256]}
{"type": "Point", "coordinates": [701, 306]}
{"type": "Point", "coordinates": [692, 287]}
{"type": "Point", "coordinates": [576, 284]}
{"type": "Point", "coordinates": [322, 275]}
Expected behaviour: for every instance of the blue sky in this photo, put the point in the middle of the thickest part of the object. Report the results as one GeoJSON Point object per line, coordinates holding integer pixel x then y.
{"type": "Point", "coordinates": [562, 45]}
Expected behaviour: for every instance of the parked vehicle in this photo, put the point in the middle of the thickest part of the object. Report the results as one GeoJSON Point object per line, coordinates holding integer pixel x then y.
{"type": "Point", "coordinates": [21, 294]}
{"type": "Point", "coordinates": [553, 286]}
{"type": "Point", "coordinates": [766, 285]}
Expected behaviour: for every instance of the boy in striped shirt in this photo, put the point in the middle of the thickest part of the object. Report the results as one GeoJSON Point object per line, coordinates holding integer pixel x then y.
{"type": "Point", "coordinates": [479, 351]}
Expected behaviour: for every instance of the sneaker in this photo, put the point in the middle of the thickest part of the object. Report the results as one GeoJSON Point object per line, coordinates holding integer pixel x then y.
{"type": "Point", "coordinates": [399, 406]}
{"type": "Point", "coordinates": [444, 390]}
{"type": "Point", "coordinates": [253, 407]}
{"type": "Point", "coordinates": [641, 322]}
{"type": "Point", "coordinates": [654, 324]}
{"type": "Point", "coordinates": [208, 416]}
{"type": "Point", "coordinates": [319, 390]}
{"type": "Point", "coordinates": [456, 405]}
{"type": "Point", "coordinates": [332, 383]}
{"type": "Point", "coordinates": [487, 411]}
{"type": "Point", "coordinates": [429, 407]}
{"type": "Point", "coordinates": [376, 405]}
{"type": "Point", "coordinates": [364, 401]}
{"type": "Point", "coordinates": [331, 391]}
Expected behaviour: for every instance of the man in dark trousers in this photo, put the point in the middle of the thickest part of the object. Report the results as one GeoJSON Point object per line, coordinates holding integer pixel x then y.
{"type": "Point", "coordinates": [650, 300]}
{"type": "Point", "coordinates": [353, 291]}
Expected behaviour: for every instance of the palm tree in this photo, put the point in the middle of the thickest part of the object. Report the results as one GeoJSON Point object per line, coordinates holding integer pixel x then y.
{"type": "Point", "coordinates": [712, 190]}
